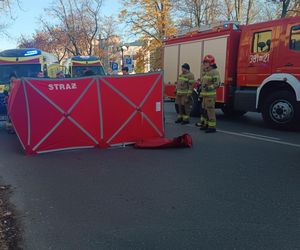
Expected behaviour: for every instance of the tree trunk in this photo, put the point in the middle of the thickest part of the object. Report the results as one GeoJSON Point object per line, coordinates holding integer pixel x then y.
{"type": "Point", "coordinates": [250, 4]}
{"type": "Point", "coordinates": [238, 9]}
{"type": "Point", "coordinates": [285, 6]}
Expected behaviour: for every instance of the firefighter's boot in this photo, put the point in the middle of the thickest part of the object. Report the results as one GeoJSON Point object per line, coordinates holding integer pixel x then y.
{"type": "Point", "coordinates": [179, 120]}
{"type": "Point", "coordinates": [210, 130]}
{"type": "Point", "coordinates": [203, 127]}
{"type": "Point", "coordinates": [185, 120]}
{"type": "Point", "coordinates": [203, 123]}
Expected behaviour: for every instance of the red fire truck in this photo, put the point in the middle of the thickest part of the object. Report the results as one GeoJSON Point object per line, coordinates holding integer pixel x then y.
{"type": "Point", "coordinates": [259, 66]}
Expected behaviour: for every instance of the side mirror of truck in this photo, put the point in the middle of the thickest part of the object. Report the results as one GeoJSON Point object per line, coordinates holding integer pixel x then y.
{"type": "Point", "coordinates": [261, 45]}
{"type": "Point", "coordinates": [268, 43]}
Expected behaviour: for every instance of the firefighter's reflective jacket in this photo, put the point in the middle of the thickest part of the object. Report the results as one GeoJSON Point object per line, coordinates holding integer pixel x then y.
{"type": "Point", "coordinates": [185, 84]}
{"type": "Point", "coordinates": [210, 80]}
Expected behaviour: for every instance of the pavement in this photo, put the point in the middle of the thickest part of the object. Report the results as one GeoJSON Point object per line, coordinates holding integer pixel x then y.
{"type": "Point", "coordinates": [236, 189]}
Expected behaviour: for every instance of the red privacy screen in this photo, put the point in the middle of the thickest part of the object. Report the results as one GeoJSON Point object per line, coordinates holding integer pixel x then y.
{"type": "Point", "coordinates": [59, 114]}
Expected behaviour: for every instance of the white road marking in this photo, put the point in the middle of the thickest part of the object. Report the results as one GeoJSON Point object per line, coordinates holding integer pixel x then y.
{"type": "Point", "coordinates": [251, 136]}
{"type": "Point", "coordinates": [263, 136]}
{"type": "Point", "coordinates": [260, 138]}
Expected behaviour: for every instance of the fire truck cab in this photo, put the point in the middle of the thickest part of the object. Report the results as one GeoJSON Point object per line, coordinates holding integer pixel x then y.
{"type": "Point", "coordinates": [259, 66]}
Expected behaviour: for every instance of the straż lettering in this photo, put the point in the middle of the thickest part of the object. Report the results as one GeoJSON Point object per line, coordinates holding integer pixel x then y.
{"type": "Point", "coordinates": [62, 86]}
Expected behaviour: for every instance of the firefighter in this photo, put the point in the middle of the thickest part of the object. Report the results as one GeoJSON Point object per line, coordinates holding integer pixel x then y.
{"type": "Point", "coordinates": [184, 90]}
{"type": "Point", "coordinates": [210, 80]}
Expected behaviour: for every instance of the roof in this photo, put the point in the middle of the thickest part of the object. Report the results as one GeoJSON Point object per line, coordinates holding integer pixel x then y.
{"type": "Point", "coordinates": [20, 52]}
{"type": "Point", "coordinates": [85, 58]}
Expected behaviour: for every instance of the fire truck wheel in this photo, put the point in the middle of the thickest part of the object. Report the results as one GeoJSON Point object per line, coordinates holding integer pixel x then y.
{"type": "Point", "coordinates": [230, 112]}
{"type": "Point", "coordinates": [281, 110]}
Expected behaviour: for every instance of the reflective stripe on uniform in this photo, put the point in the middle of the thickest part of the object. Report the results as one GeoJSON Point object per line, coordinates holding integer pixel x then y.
{"type": "Point", "coordinates": [182, 92]}
{"type": "Point", "coordinates": [210, 88]}
{"type": "Point", "coordinates": [184, 79]}
{"type": "Point", "coordinates": [211, 123]}
{"type": "Point", "coordinates": [207, 77]}
{"type": "Point", "coordinates": [203, 120]}
{"type": "Point", "coordinates": [185, 117]}
{"type": "Point", "coordinates": [184, 86]}
{"type": "Point", "coordinates": [211, 93]}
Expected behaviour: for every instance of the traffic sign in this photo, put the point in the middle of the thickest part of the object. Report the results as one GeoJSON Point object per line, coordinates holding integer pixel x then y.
{"type": "Point", "coordinates": [114, 66]}
{"type": "Point", "coordinates": [128, 60]}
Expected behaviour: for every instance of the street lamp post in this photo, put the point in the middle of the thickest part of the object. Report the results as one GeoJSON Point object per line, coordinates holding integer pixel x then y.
{"type": "Point", "coordinates": [122, 54]}
{"type": "Point", "coordinates": [122, 48]}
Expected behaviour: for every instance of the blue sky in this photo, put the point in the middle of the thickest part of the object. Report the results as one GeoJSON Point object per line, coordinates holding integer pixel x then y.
{"type": "Point", "coordinates": [26, 22]}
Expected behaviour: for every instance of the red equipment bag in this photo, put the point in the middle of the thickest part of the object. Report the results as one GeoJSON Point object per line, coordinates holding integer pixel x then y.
{"type": "Point", "coordinates": [183, 141]}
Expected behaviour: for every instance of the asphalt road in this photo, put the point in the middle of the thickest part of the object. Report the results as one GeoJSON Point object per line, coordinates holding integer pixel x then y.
{"type": "Point", "coordinates": [236, 189]}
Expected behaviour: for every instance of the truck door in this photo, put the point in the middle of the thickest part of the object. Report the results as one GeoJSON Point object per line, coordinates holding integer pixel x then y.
{"type": "Point", "coordinates": [255, 57]}
{"type": "Point", "coordinates": [171, 57]}
{"type": "Point", "coordinates": [289, 52]}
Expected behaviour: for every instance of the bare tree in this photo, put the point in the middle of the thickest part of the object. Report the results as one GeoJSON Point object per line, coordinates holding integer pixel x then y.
{"type": "Point", "coordinates": [293, 9]}
{"type": "Point", "coordinates": [109, 41]}
{"type": "Point", "coordinates": [285, 7]}
{"type": "Point", "coordinates": [213, 13]}
{"type": "Point", "coordinates": [249, 8]}
{"type": "Point", "coordinates": [194, 13]}
{"type": "Point", "coordinates": [229, 8]}
{"type": "Point", "coordinates": [79, 20]}
{"type": "Point", "coordinates": [288, 7]}
{"type": "Point", "coordinates": [238, 6]}
{"type": "Point", "coordinates": [53, 41]}
{"type": "Point", "coordinates": [57, 41]}
{"type": "Point", "coordinates": [6, 13]}
{"type": "Point", "coordinates": [6, 6]}
{"type": "Point", "coordinates": [243, 11]}
{"type": "Point", "coordinates": [234, 9]}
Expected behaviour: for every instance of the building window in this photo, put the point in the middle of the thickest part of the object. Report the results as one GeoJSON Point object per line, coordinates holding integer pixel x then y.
{"type": "Point", "coordinates": [295, 38]}
{"type": "Point", "coordinates": [261, 42]}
